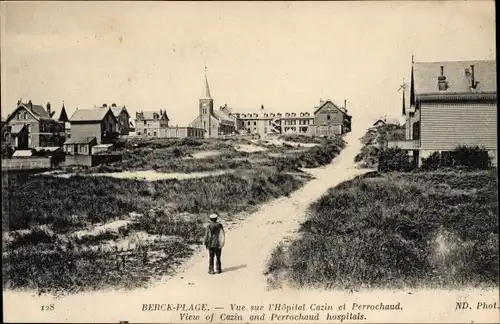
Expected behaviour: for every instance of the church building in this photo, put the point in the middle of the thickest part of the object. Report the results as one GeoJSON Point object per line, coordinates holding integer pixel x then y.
{"type": "Point", "coordinates": [215, 122]}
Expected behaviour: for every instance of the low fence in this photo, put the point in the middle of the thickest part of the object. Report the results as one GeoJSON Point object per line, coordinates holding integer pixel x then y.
{"type": "Point", "coordinates": [26, 164]}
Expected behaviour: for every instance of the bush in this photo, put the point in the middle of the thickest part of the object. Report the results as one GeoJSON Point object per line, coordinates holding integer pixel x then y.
{"type": "Point", "coordinates": [7, 151]}
{"type": "Point", "coordinates": [461, 157]}
{"type": "Point", "coordinates": [397, 230]}
{"type": "Point", "coordinates": [376, 139]}
{"type": "Point", "coordinates": [62, 202]}
{"type": "Point", "coordinates": [394, 159]}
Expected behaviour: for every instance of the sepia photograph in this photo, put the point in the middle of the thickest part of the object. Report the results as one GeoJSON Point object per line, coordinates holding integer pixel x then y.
{"type": "Point", "coordinates": [249, 162]}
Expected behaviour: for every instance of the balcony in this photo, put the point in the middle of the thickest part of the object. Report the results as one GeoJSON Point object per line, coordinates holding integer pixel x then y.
{"type": "Point", "coordinates": [404, 144]}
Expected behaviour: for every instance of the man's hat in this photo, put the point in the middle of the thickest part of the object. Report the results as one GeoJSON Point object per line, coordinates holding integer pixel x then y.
{"type": "Point", "coordinates": [213, 216]}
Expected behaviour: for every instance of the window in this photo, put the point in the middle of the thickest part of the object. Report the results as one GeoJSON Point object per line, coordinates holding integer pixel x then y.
{"type": "Point", "coordinates": [145, 122]}
{"type": "Point", "coordinates": [254, 123]}
{"type": "Point", "coordinates": [29, 128]}
{"type": "Point", "coordinates": [25, 115]}
{"type": "Point", "coordinates": [29, 141]}
{"type": "Point", "coordinates": [248, 123]}
{"type": "Point", "coordinates": [328, 117]}
{"type": "Point", "coordinates": [154, 134]}
{"type": "Point", "coordinates": [138, 133]}
{"type": "Point", "coordinates": [204, 124]}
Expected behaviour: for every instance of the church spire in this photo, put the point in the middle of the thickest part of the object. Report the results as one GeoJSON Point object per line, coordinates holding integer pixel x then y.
{"type": "Point", "coordinates": [207, 89]}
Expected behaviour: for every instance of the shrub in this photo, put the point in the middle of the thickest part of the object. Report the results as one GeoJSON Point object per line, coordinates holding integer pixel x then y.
{"type": "Point", "coordinates": [43, 199]}
{"type": "Point", "coordinates": [399, 229]}
{"type": "Point", "coordinates": [461, 157]}
{"type": "Point", "coordinates": [7, 151]}
{"type": "Point", "coordinates": [394, 159]}
{"type": "Point", "coordinates": [375, 140]}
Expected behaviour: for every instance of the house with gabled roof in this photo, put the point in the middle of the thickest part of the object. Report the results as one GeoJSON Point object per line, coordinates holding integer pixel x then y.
{"type": "Point", "coordinates": [150, 123]}
{"type": "Point", "coordinates": [99, 123]}
{"type": "Point", "coordinates": [42, 130]}
{"type": "Point", "coordinates": [331, 119]}
{"type": "Point", "coordinates": [450, 104]}
{"type": "Point", "coordinates": [122, 115]}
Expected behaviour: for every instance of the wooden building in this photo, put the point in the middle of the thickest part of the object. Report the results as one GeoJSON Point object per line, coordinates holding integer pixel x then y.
{"type": "Point", "coordinates": [450, 104]}
{"type": "Point", "coordinates": [98, 123]}
{"type": "Point", "coordinates": [80, 145]}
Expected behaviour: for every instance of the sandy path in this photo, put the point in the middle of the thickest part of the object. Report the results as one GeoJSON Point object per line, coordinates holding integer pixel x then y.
{"type": "Point", "coordinates": [248, 247]}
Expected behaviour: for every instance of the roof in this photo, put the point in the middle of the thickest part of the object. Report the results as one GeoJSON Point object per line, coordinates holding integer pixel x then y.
{"type": "Point", "coordinates": [149, 115]}
{"type": "Point", "coordinates": [47, 148]}
{"type": "Point", "coordinates": [89, 115]}
{"type": "Point", "coordinates": [36, 110]}
{"type": "Point", "coordinates": [22, 153]}
{"type": "Point", "coordinates": [63, 116]}
{"type": "Point", "coordinates": [221, 116]}
{"type": "Point", "coordinates": [343, 110]}
{"type": "Point", "coordinates": [380, 120]}
{"type": "Point", "coordinates": [207, 89]}
{"type": "Point", "coordinates": [16, 129]}
{"type": "Point", "coordinates": [116, 110]}
{"type": "Point", "coordinates": [103, 146]}
{"type": "Point", "coordinates": [79, 140]}
{"type": "Point", "coordinates": [425, 76]}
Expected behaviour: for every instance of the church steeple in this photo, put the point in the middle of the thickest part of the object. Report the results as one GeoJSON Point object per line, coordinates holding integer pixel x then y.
{"type": "Point", "coordinates": [207, 88]}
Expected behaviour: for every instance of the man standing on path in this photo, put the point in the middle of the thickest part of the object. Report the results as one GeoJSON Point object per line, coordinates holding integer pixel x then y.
{"type": "Point", "coordinates": [214, 242]}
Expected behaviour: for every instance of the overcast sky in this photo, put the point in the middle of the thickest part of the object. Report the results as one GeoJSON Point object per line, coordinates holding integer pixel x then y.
{"type": "Point", "coordinates": [286, 56]}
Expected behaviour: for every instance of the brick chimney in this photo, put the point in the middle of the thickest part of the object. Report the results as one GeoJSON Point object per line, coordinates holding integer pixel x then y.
{"type": "Point", "coordinates": [113, 105]}
{"type": "Point", "coordinates": [105, 105]}
{"type": "Point", "coordinates": [48, 108]}
{"type": "Point", "coordinates": [30, 105]}
{"type": "Point", "coordinates": [442, 83]}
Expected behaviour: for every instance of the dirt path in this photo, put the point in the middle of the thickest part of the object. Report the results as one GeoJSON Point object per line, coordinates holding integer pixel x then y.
{"type": "Point", "coordinates": [247, 249]}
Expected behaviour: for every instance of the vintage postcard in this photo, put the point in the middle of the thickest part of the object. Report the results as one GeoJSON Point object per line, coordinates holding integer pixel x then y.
{"type": "Point", "coordinates": [249, 162]}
